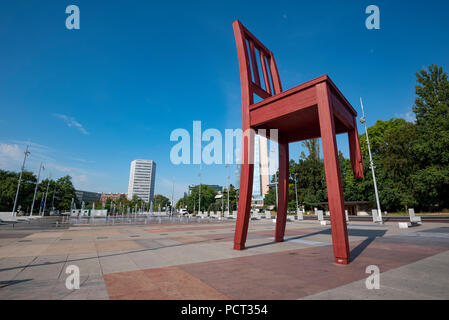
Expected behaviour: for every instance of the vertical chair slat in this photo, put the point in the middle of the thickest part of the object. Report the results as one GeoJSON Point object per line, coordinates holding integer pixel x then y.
{"type": "Point", "coordinates": [254, 62]}
{"type": "Point", "coordinates": [265, 72]}
{"type": "Point", "coordinates": [277, 87]}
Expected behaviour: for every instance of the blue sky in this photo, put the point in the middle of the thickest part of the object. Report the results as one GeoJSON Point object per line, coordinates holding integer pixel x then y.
{"type": "Point", "coordinates": [92, 100]}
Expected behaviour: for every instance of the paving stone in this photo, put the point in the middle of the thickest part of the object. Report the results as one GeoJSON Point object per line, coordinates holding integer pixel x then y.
{"type": "Point", "coordinates": [198, 261]}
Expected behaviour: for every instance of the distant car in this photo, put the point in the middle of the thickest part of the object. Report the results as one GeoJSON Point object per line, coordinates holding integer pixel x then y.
{"type": "Point", "coordinates": [183, 211]}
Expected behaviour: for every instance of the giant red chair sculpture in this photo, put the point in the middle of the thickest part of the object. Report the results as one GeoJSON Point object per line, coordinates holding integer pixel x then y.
{"type": "Point", "coordinates": [311, 110]}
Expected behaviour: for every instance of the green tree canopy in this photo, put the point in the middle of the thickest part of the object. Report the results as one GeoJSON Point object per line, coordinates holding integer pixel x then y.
{"type": "Point", "coordinates": [160, 200]}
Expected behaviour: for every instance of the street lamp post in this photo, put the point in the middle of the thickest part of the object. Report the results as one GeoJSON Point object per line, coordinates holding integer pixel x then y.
{"type": "Point", "coordinates": [199, 196]}
{"type": "Point", "coordinates": [277, 200]}
{"type": "Point", "coordinates": [276, 178]}
{"type": "Point", "coordinates": [53, 200]}
{"type": "Point", "coordinates": [363, 121]}
{"type": "Point", "coordinates": [20, 180]}
{"type": "Point", "coordinates": [172, 196]}
{"type": "Point", "coordinates": [222, 200]}
{"type": "Point", "coordinates": [296, 193]}
{"type": "Point", "coordinates": [229, 186]}
{"type": "Point", "coordinates": [35, 189]}
{"type": "Point", "coordinates": [46, 194]}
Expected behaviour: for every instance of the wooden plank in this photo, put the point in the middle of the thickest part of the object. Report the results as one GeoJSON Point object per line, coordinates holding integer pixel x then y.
{"type": "Point", "coordinates": [259, 45]}
{"type": "Point", "coordinates": [334, 185]}
{"type": "Point", "coordinates": [341, 112]}
{"type": "Point", "coordinates": [259, 91]}
{"type": "Point", "coordinates": [275, 75]}
{"type": "Point", "coordinates": [265, 72]}
{"type": "Point", "coordinates": [281, 107]}
{"type": "Point", "coordinates": [254, 62]}
{"type": "Point", "coordinates": [245, 70]}
{"type": "Point", "coordinates": [292, 91]}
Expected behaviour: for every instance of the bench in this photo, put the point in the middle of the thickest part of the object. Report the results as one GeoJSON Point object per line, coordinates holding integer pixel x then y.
{"type": "Point", "coordinates": [255, 216]}
{"type": "Point", "coordinates": [376, 216]}
{"type": "Point", "coordinates": [414, 220]}
{"type": "Point", "coordinates": [267, 214]}
{"type": "Point", "coordinates": [300, 215]}
{"type": "Point", "coordinates": [320, 215]}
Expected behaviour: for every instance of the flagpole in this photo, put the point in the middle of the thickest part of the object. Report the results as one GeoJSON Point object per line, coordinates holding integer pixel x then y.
{"type": "Point", "coordinates": [199, 197]}
{"type": "Point", "coordinates": [46, 194]}
{"type": "Point", "coordinates": [35, 189]}
{"type": "Point", "coordinates": [20, 180]}
{"type": "Point", "coordinates": [363, 121]}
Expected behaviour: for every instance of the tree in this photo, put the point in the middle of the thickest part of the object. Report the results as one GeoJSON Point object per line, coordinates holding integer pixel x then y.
{"type": "Point", "coordinates": [8, 186]}
{"type": "Point", "coordinates": [65, 192]}
{"type": "Point", "coordinates": [182, 203]}
{"type": "Point", "coordinates": [431, 180]}
{"type": "Point", "coordinates": [392, 144]}
{"type": "Point", "coordinates": [232, 198]}
{"type": "Point", "coordinates": [160, 200]}
{"type": "Point", "coordinates": [311, 182]}
{"type": "Point", "coordinates": [270, 198]}
{"type": "Point", "coordinates": [313, 147]}
{"type": "Point", "coordinates": [207, 198]}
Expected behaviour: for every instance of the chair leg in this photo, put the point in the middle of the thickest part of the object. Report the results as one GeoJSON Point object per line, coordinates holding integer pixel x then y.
{"type": "Point", "coordinates": [245, 195]}
{"type": "Point", "coordinates": [281, 218]}
{"type": "Point", "coordinates": [355, 152]}
{"type": "Point", "coordinates": [333, 176]}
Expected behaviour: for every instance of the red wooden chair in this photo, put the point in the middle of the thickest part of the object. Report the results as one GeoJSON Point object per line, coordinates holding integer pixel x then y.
{"type": "Point", "coordinates": [311, 110]}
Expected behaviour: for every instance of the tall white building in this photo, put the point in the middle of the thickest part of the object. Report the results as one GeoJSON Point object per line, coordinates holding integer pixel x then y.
{"type": "Point", "coordinates": [141, 179]}
{"type": "Point", "coordinates": [261, 178]}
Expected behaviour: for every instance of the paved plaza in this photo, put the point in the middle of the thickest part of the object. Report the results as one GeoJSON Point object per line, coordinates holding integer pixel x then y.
{"type": "Point", "coordinates": [196, 261]}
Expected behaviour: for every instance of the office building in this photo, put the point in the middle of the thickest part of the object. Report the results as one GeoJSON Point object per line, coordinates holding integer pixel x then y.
{"type": "Point", "coordinates": [216, 187]}
{"type": "Point", "coordinates": [87, 196]}
{"type": "Point", "coordinates": [141, 179]}
{"type": "Point", "coordinates": [112, 196]}
{"type": "Point", "coordinates": [261, 178]}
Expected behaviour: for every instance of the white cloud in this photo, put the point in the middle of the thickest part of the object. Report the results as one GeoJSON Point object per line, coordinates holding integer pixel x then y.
{"type": "Point", "coordinates": [408, 116]}
{"type": "Point", "coordinates": [82, 160]}
{"type": "Point", "coordinates": [165, 187]}
{"type": "Point", "coordinates": [80, 177]}
{"type": "Point", "coordinates": [71, 122]}
{"type": "Point", "coordinates": [11, 156]}
{"type": "Point", "coordinates": [81, 181]}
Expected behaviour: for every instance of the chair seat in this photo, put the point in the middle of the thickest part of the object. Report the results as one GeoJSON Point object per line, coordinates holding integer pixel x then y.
{"type": "Point", "coordinates": [296, 109]}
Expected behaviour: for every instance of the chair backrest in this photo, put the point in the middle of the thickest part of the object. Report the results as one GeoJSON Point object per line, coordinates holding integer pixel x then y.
{"type": "Point", "coordinates": [252, 54]}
